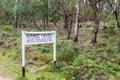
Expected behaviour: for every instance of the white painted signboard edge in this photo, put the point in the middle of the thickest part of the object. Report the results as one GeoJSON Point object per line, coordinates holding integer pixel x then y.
{"type": "Point", "coordinates": [23, 46]}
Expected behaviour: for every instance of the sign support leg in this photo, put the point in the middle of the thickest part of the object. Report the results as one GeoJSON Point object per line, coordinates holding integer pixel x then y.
{"type": "Point", "coordinates": [23, 62]}
{"type": "Point", "coordinates": [54, 51]}
{"type": "Point", "coordinates": [23, 55]}
{"type": "Point", "coordinates": [23, 71]}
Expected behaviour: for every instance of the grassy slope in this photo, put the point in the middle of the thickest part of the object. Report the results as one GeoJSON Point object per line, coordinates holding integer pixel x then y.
{"type": "Point", "coordinates": [97, 58]}
{"type": "Point", "coordinates": [10, 59]}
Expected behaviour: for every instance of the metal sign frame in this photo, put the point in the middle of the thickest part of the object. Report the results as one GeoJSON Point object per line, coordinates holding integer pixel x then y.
{"type": "Point", "coordinates": [24, 43]}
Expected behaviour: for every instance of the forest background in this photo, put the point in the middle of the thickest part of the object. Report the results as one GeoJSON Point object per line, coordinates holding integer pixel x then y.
{"type": "Point", "coordinates": [87, 39]}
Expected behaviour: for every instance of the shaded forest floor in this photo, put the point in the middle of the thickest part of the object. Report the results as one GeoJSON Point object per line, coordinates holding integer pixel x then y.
{"type": "Point", "coordinates": [75, 61]}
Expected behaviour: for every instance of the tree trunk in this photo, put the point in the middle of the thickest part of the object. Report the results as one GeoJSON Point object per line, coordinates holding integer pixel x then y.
{"type": "Point", "coordinates": [47, 15]}
{"type": "Point", "coordinates": [70, 28]}
{"type": "Point", "coordinates": [15, 16]}
{"type": "Point", "coordinates": [96, 8]}
{"type": "Point", "coordinates": [115, 9]}
{"type": "Point", "coordinates": [16, 22]}
{"type": "Point", "coordinates": [32, 19]}
{"type": "Point", "coordinates": [65, 14]}
{"type": "Point", "coordinates": [44, 22]}
{"type": "Point", "coordinates": [116, 16]}
{"type": "Point", "coordinates": [75, 38]}
{"type": "Point", "coordinates": [56, 25]}
{"type": "Point", "coordinates": [65, 20]}
{"type": "Point", "coordinates": [95, 30]}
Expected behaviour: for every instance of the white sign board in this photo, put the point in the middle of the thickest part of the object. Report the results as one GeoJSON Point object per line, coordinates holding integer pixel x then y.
{"type": "Point", "coordinates": [29, 38]}
{"type": "Point", "coordinates": [39, 37]}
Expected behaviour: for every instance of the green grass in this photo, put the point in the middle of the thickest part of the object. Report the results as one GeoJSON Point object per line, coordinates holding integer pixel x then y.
{"type": "Point", "coordinates": [36, 56]}
{"type": "Point", "coordinates": [8, 68]}
{"type": "Point", "coordinates": [74, 60]}
{"type": "Point", "coordinates": [13, 70]}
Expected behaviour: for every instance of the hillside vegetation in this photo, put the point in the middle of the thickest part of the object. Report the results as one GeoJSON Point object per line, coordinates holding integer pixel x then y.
{"type": "Point", "coordinates": [75, 61]}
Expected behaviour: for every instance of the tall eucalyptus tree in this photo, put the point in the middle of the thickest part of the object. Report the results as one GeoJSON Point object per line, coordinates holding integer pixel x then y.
{"type": "Point", "coordinates": [115, 7]}
{"type": "Point", "coordinates": [15, 14]}
{"type": "Point", "coordinates": [96, 6]}
{"type": "Point", "coordinates": [75, 38]}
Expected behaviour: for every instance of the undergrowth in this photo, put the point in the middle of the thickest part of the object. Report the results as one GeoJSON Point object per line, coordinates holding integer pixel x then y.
{"type": "Point", "coordinates": [99, 62]}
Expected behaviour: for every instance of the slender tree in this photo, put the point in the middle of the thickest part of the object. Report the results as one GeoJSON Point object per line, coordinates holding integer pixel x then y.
{"type": "Point", "coordinates": [15, 14]}
{"type": "Point", "coordinates": [95, 4]}
{"type": "Point", "coordinates": [75, 38]}
{"type": "Point", "coordinates": [115, 9]}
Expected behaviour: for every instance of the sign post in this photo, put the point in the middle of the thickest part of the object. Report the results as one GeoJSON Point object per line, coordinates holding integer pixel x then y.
{"type": "Point", "coordinates": [23, 54]}
{"type": "Point", "coordinates": [54, 50]}
{"type": "Point", "coordinates": [30, 38]}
